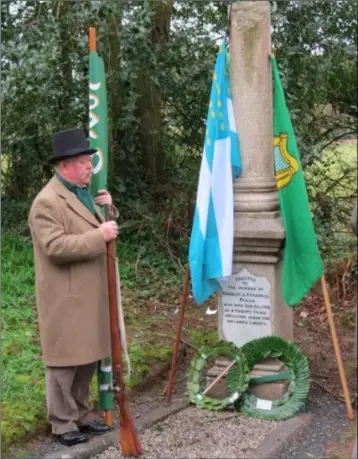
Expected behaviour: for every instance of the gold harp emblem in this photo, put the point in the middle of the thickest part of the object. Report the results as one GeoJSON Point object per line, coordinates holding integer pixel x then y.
{"type": "Point", "coordinates": [286, 165]}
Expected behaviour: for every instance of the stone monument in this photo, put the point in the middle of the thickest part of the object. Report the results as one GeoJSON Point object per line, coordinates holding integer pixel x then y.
{"type": "Point", "coordinates": [251, 305]}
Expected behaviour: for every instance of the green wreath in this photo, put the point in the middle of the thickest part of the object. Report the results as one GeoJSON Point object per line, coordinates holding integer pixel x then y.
{"type": "Point", "coordinates": [299, 385]}
{"type": "Point", "coordinates": [237, 377]}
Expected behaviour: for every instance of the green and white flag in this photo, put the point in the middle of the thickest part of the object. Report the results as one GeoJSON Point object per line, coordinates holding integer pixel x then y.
{"type": "Point", "coordinates": [98, 122]}
{"type": "Point", "coordinates": [98, 132]}
{"type": "Point", "coordinates": [302, 264]}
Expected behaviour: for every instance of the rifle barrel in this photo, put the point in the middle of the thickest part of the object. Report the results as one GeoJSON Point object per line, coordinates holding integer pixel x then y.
{"type": "Point", "coordinates": [130, 444]}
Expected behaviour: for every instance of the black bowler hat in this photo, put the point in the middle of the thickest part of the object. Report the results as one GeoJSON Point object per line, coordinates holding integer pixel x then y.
{"type": "Point", "coordinates": [70, 143]}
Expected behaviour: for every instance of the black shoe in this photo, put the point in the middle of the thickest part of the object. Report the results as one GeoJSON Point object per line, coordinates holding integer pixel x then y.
{"type": "Point", "coordinates": [95, 428]}
{"type": "Point", "coordinates": [72, 438]}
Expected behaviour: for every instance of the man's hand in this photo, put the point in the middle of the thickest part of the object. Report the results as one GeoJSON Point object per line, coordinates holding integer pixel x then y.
{"type": "Point", "coordinates": [109, 230]}
{"type": "Point", "coordinates": [103, 198]}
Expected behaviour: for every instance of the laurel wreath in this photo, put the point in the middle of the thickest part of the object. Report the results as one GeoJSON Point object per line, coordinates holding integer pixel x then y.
{"type": "Point", "coordinates": [237, 377]}
{"type": "Point", "coordinates": [299, 385]}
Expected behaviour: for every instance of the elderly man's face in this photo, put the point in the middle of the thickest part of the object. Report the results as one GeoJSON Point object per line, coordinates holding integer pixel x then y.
{"type": "Point", "coordinates": [77, 170]}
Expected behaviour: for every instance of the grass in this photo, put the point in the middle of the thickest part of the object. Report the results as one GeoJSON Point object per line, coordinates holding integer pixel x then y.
{"type": "Point", "coordinates": [22, 372]}
{"type": "Point", "coordinates": [206, 338]}
{"type": "Point", "coordinates": [142, 357]}
{"type": "Point", "coordinates": [23, 377]}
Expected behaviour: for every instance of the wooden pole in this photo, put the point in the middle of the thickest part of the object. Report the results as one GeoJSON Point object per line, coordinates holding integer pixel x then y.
{"type": "Point", "coordinates": [221, 375]}
{"type": "Point", "coordinates": [337, 349]}
{"type": "Point", "coordinates": [92, 39]}
{"type": "Point", "coordinates": [108, 419]}
{"type": "Point", "coordinates": [183, 300]}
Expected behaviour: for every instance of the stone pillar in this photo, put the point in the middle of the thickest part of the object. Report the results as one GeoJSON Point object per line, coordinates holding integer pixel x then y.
{"type": "Point", "coordinates": [251, 305]}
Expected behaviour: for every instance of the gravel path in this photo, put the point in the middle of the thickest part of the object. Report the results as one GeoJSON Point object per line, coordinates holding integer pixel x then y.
{"type": "Point", "coordinates": [194, 433]}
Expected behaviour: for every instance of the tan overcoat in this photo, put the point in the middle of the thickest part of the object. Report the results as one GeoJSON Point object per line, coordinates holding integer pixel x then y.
{"type": "Point", "coordinates": [71, 278]}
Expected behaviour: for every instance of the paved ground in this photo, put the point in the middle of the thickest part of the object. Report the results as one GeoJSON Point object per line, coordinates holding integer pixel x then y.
{"type": "Point", "coordinates": [329, 424]}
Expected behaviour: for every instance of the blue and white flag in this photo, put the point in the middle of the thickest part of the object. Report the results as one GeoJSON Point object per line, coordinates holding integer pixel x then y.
{"type": "Point", "coordinates": [212, 237]}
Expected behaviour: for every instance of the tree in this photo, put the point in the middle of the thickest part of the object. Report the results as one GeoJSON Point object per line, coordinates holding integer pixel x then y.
{"type": "Point", "coordinates": [150, 98]}
{"type": "Point", "coordinates": [159, 57]}
{"type": "Point", "coordinates": [313, 47]}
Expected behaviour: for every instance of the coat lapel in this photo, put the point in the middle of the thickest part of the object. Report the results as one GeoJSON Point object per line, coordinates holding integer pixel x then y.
{"type": "Point", "coordinates": [73, 202]}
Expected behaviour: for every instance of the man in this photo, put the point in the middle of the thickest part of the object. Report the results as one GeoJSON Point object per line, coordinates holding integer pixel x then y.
{"type": "Point", "coordinates": [69, 238]}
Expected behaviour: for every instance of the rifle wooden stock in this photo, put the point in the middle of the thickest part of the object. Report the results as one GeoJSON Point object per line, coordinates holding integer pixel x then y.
{"type": "Point", "coordinates": [129, 442]}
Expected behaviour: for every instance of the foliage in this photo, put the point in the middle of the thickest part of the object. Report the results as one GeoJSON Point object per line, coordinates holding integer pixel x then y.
{"type": "Point", "coordinates": [332, 189]}
{"type": "Point", "coordinates": [349, 319]}
{"type": "Point", "coordinates": [203, 338]}
{"type": "Point", "coordinates": [171, 45]}
{"type": "Point", "coordinates": [142, 357]}
{"type": "Point", "coordinates": [159, 58]}
{"type": "Point", "coordinates": [315, 45]}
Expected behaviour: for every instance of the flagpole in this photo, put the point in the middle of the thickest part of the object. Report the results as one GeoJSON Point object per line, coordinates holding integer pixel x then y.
{"type": "Point", "coordinates": [337, 349]}
{"type": "Point", "coordinates": [92, 40]}
{"type": "Point", "coordinates": [108, 419]}
{"type": "Point", "coordinates": [183, 301]}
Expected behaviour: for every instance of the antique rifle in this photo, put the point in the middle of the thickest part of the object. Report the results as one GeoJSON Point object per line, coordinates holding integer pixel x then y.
{"type": "Point", "coordinates": [129, 442]}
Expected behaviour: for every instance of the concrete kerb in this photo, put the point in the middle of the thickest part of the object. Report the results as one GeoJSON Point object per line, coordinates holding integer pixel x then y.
{"type": "Point", "coordinates": [273, 444]}
{"type": "Point", "coordinates": [97, 445]}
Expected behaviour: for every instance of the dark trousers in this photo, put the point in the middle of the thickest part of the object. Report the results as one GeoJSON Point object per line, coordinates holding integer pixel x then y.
{"type": "Point", "coordinates": [67, 394]}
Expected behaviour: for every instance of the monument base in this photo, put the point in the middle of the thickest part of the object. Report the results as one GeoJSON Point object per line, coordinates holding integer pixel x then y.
{"type": "Point", "coordinates": [273, 390]}
{"type": "Point", "coordinates": [266, 391]}
{"type": "Point", "coordinates": [251, 305]}
{"type": "Point", "coordinates": [219, 391]}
